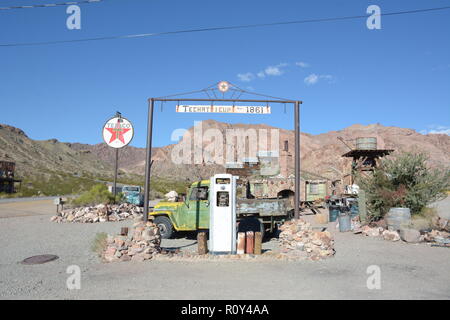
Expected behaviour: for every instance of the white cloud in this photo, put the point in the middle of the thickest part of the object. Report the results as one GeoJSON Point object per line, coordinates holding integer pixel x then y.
{"type": "Point", "coordinates": [275, 70]}
{"type": "Point", "coordinates": [246, 77]}
{"type": "Point", "coordinates": [269, 71]}
{"type": "Point", "coordinates": [433, 129]}
{"type": "Point", "coordinates": [314, 78]}
{"type": "Point", "coordinates": [302, 64]}
{"type": "Point", "coordinates": [280, 69]}
{"type": "Point", "coordinates": [311, 79]}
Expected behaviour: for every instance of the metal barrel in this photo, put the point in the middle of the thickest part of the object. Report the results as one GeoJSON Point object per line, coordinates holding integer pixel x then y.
{"type": "Point", "coordinates": [345, 222]}
{"type": "Point", "coordinates": [398, 217]}
{"type": "Point", "coordinates": [366, 143]}
{"type": "Point", "coordinates": [334, 212]}
{"type": "Point", "coordinates": [354, 209]}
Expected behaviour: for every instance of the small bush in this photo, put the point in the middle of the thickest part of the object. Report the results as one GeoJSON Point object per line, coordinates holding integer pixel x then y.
{"type": "Point", "coordinates": [403, 181]}
{"type": "Point", "coordinates": [96, 195]}
{"type": "Point", "coordinates": [424, 219]}
{"type": "Point", "coordinates": [99, 244]}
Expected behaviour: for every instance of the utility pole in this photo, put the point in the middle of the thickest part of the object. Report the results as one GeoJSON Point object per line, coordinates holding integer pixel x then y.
{"type": "Point", "coordinates": [148, 157]}
{"type": "Point", "coordinates": [297, 159]}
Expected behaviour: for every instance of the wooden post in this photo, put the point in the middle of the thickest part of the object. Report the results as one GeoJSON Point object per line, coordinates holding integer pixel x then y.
{"type": "Point", "coordinates": [202, 242]}
{"type": "Point", "coordinates": [250, 242]}
{"type": "Point", "coordinates": [241, 243]}
{"type": "Point", "coordinates": [258, 243]}
{"type": "Point", "coordinates": [124, 231]}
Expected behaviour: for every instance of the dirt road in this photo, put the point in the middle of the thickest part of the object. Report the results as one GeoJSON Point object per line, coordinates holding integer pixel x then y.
{"type": "Point", "coordinates": [19, 208]}
{"type": "Point", "coordinates": [407, 271]}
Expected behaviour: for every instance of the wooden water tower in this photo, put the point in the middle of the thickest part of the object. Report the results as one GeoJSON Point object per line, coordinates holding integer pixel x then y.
{"type": "Point", "coordinates": [365, 157]}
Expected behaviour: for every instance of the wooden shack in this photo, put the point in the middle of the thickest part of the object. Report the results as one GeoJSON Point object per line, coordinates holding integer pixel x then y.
{"type": "Point", "coordinates": [7, 179]}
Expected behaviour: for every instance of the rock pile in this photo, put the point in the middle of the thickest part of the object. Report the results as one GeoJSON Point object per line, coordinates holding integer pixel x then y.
{"type": "Point", "coordinates": [99, 213]}
{"type": "Point", "coordinates": [405, 234]}
{"type": "Point", "coordinates": [390, 235]}
{"type": "Point", "coordinates": [299, 240]}
{"type": "Point", "coordinates": [368, 231]}
{"type": "Point", "coordinates": [437, 236]}
{"type": "Point", "coordinates": [142, 244]}
{"type": "Point", "coordinates": [441, 224]}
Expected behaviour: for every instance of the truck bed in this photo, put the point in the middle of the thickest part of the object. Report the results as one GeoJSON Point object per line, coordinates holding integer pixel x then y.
{"type": "Point", "coordinates": [263, 207]}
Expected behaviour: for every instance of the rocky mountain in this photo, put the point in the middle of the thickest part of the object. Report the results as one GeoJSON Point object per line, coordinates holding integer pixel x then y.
{"type": "Point", "coordinates": [46, 156]}
{"type": "Point", "coordinates": [320, 154]}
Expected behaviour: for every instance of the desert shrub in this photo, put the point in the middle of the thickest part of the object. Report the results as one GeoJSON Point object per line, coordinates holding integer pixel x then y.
{"type": "Point", "coordinates": [99, 193]}
{"type": "Point", "coordinates": [99, 244]}
{"type": "Point", "coordinates": [404, 181]}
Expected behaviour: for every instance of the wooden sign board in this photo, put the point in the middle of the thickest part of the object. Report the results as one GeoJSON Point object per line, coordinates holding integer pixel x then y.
{"type": "Point", "coordinates": [223, 109]}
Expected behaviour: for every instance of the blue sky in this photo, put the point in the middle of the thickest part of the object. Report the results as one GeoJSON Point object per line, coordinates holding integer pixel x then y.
{"type": "Point", "coordinates": [343, 72]}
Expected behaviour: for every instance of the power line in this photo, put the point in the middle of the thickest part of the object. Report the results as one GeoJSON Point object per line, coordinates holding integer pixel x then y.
{"type": "Point", "coordinates": [142, 35]}
{"type": "Point", "coordinates": [49, 5]}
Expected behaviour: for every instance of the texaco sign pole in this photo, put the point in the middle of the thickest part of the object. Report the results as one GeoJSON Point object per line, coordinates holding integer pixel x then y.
{"type": "Point", "coordinates": [117, 133]}
{"type": "Point", "coordinates": [116, 168]}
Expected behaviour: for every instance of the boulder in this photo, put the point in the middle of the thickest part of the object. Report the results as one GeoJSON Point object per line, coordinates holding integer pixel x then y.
{"type": "Point", "coordinates": [410, 235]}
{"type": "Point", "coordinates": [391, 235]}
{"type": "Point", "coordinates": [371, 232]}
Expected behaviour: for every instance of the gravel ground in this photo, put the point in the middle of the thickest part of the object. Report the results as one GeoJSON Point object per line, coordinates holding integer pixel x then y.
{"type": "Point", "coordinates": [407, 271]}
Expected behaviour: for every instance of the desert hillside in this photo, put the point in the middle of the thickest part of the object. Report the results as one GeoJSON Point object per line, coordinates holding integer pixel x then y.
{"type": "Point", "coordinates": [320, 154]}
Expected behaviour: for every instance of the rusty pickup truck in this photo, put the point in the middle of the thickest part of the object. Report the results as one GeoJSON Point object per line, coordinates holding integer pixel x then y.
{"type": "Point", "coordinates": [192, 213]}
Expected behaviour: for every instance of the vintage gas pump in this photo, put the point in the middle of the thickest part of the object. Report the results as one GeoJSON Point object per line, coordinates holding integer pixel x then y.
{"type": "Point", "coordinates": [222, 214]}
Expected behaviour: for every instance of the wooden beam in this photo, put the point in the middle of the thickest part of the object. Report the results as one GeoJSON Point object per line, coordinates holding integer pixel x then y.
{"type": "Point", "coordinates": [258, 243]}
{"type": "Point", "coordinates": [202, 242]}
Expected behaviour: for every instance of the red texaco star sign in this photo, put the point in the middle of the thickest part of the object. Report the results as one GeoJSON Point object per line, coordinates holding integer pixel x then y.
{"type": "Point", "coordinates": [117, 132]}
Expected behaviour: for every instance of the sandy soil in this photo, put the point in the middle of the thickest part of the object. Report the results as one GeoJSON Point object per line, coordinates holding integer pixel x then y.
{"type": "Point", "coordinates": [408, 271]}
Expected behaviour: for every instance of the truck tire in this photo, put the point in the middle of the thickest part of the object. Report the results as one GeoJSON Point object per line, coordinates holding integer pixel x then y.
{"type": "Point", "coordinates": [165, 227]}
{"type": "Point", "coordinates": [251, 224]}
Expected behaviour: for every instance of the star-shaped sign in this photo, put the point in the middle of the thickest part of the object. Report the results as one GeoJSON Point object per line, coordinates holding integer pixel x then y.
{"type": "Point", "coordinates": [117, 133]}
{"type": "Point", "coordinates": [223, 86]}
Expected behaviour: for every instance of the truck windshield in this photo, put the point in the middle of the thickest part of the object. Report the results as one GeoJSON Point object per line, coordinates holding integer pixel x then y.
{"type": "Point", "coordinates": [199, 193]}
{"type": "Point", "coordinates": [131, 189]}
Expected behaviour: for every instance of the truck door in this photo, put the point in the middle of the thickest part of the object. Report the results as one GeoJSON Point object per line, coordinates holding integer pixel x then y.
{"type": "Point", "coordinates": [198, 211]}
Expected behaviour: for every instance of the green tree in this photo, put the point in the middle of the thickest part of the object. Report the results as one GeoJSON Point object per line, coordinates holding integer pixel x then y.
{"type": "Point", "coordinates": [404, 181]}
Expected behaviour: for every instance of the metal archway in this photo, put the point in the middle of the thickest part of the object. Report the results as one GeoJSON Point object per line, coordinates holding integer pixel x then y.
{"type": "Point", "coordinates": [208, 91]}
